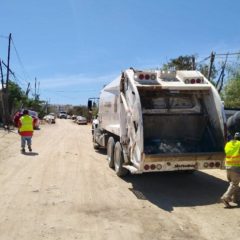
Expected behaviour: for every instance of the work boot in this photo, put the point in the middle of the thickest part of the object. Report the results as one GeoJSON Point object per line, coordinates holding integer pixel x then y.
{"type": "Point", "coordinates": [23, 150]}
{"type": "Point", "coordinates": [29, 148]}
{"type": "Point", "coordinates": [226, 203]}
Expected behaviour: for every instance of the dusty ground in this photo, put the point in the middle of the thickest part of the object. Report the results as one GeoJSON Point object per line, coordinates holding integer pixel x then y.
{"type": "Point", "coordinates": [65, 190]}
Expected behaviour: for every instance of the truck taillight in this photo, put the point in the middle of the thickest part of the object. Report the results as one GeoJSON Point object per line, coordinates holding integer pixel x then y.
{"type": "Point", "coordinates": [153, 77]}
{"type": "Point", "coordinates": [146, 167]}
{"type": "Point", "coordinates": [211, 164]}
{"type": "Point", "coordinates": [141, 76]}
{"type": "Point", "coordinates": [217, 164]}
{"type": "Point", "coordinates": [146, 76]}
{"type": "Point", "coordinates": [152, 166]}
{"type": "Point", "coordinates": [193, 81]}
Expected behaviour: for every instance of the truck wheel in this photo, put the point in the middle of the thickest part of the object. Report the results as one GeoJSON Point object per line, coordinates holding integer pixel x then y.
{"type": "Point", "coordinates": [118, 160]}
{"type": "Point", "coordinates": [96, 146]}
{"type": "Point", "coordinates": [110, 152]}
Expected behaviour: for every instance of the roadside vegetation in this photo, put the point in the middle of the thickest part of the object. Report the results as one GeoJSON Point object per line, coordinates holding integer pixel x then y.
{"type": "Point", "coordinates": [229, 87]}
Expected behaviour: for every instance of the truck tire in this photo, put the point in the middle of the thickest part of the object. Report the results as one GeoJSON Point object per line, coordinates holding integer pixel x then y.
{"type": "Point", "coordinates": [110, 152]}
{"type": "Point", "coordinates": [95, 145]}
{"type": "Point", "coordinates": [118, 160]}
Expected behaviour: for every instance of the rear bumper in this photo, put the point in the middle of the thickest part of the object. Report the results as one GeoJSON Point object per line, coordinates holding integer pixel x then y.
{"type": "Point", "coordinates": [186, 161]}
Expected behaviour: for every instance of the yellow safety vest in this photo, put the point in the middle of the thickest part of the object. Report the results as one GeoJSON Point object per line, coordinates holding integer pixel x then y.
{"type": "Point", "coordinates": [26, 124]}
{"type": "Point", "coordinates": [232, 150]}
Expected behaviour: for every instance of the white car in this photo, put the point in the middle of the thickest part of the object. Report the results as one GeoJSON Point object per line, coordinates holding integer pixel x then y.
{"type": "Point", "coordinates": [49, 118]}
{"type": "Point", "coordinates": [81, 120]}
{"type": "Point", "coordinates": [62, 114]}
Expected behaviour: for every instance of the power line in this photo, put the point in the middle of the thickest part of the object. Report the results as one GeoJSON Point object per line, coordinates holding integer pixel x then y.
{"type": "Point", "coordinates": [20, 61]}
{"type": "Point", "coordinates": [227, 54]}
{"type": "Point", "coordinates": [220, 55]}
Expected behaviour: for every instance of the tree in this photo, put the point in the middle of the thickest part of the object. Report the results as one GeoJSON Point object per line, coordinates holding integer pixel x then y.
{"type": "Point", "coordinates": [204, 69]}
{"type": "Point", "coordinates": [180, 63]}
{"type": "Point", "coordinates": [79, 110]}
{"type": "Point", "coordinates": [17, 97]}
{"type": "Point", "coordinates": [231, 90]}
{"type": "Point", "coordinates": [187, 62]}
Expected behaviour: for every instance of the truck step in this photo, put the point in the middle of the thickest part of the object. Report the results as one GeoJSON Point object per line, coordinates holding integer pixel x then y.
{"type": "Point", "coordinates": [132, 169]}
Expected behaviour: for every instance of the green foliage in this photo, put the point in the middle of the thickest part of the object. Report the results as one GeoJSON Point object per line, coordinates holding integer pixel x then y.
{"type": "Point", "coordinates": [16, 97]}
{"type": "Point", "coordinates": [179, 63]}
{"type": "Point", "coordinates": [79, 111]}
{"type": "Point", "coordinates": [17, 100]}
{"type": "Point", "coordinates": [204, 69]}
{"type": "Point", "coordinates": [36, 105]}
{"type": "Point", "coordinates": [231, 91]}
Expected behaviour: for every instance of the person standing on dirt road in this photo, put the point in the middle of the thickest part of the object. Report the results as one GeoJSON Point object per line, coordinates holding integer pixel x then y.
{"type": "Point", "coordinates": [232, 163]}
{"type": "Point", "coordinates": [25, 129]}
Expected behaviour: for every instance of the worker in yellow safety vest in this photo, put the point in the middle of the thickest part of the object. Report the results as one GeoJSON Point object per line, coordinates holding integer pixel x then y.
{"type": "Point", "coordinates": [25, 129]}
{"type": "Point", "coordinates": [232, 163]}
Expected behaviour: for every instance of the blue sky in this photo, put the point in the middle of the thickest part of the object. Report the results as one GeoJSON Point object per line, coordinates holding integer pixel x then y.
{"type": "Point", "coordinates": [74, 47]}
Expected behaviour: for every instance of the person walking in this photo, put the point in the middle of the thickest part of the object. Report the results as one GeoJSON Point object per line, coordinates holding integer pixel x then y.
{"type": "Point", "coordinates": [25, 129]}
{"type": "Point", "coordinates": [232, 163]}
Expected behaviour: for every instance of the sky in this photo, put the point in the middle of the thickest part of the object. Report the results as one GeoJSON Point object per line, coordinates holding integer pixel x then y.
{"type": "Point", "coordinates": [74, 47]}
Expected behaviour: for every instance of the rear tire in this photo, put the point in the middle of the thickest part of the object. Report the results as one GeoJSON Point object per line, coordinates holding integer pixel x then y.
{"type": "Point", "coordinates": [110, 152]}
{"type": "Point", "coordinates": [95, 145]}
{"type": "Point", "coordinates": [118, 160]}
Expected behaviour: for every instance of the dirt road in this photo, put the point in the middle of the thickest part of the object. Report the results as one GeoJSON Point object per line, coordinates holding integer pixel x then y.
{"type": "Point", "coordinates": [64, 190]}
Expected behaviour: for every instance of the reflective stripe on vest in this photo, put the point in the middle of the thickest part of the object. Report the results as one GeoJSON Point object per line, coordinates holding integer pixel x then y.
{"type": "Point", "coordinates": [26, 124]}
{"type": "Point", "coordinates": [232, 150]}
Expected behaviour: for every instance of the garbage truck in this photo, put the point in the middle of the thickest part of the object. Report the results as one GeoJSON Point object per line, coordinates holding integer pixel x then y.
{"type": "Point", "coordinates": [157, 121]}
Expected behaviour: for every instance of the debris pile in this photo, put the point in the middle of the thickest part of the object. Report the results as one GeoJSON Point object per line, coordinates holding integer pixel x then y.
{"type": "Point", "coordinates": [157, 146]}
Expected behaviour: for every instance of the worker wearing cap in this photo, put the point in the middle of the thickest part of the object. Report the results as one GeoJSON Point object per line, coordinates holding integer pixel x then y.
{"type": "Point", "coordinates": [25, 129]}
{"type": "Point", "coordinates": [232, 163]}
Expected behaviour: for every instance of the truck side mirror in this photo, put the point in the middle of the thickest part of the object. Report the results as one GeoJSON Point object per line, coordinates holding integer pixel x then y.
{"type": "Point", "coordinates": [89, 105]}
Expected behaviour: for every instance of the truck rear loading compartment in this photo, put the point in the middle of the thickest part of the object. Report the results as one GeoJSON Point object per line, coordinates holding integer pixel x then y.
{"type": "Point", "coordinates": [177, 122]}
{"type": "Point", "coordinates": [185, 133]}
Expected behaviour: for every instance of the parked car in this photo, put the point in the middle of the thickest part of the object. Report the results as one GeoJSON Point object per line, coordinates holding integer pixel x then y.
{"type": "Point", "coordinates": [81, 120]}
{"type": "Point", "coordinates": [62, 114]}
{"type": "Point", "coordinates": [36, 120]}
{"type": "Point", "coordinates": [49, 118]}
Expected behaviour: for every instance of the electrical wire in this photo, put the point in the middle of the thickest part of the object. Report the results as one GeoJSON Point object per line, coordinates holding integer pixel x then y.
{"type": "Point", "coordinates": [20, 61]}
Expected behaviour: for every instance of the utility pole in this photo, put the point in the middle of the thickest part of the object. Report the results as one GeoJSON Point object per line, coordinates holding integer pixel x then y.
{"type": "Point", "coordinates": [38, 90]}
{"type": "Point", "coordinates": [1, 70]}
{"type": "Point", "coordinates": [193, 63]}
{"type": "Point", "coordinates": [219, 84]}
{"type": "Point", "coordinates": [28, 89]}
{"type": "Point", "coordinates": [5, 65]}
{"type": "Point", "coordinates": [8, 60]}
{"type": "Point", "coordinates": [2, 94]}
{"type": "Point", "coordinates": [211, 65]}
{"type": "Point", "coordinates": [6, 115]}
{"type": "Point", "coordinates": [35, 89]}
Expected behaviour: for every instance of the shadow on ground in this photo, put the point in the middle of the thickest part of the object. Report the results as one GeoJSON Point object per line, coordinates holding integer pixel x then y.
{"type": "Point", "coordinates": [102, 151]}
{"type": "Point", "coordinates": [175, 189]}
{"type": "Point", "coordinates": [30, 153]}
